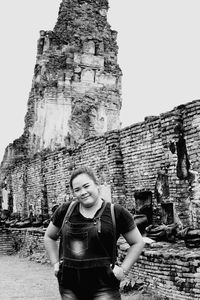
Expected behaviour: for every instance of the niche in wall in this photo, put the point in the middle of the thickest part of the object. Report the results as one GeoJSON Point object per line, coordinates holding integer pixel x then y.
{"type": "Point", "coordinates": [167, 211]}
{"type": "Point", "coordinates": [143, 204]}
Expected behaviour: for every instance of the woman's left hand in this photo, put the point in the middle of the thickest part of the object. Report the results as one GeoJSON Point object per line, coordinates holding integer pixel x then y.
{"type": "Point", "coordinates": [118, 272]}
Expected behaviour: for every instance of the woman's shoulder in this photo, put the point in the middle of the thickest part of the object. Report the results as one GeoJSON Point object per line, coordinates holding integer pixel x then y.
{"type": "Point", "coordinates": [119, 209]}
{"type": "Point", "coordinates": [62, 208]}
{"type": "Point", "coordinates": [124, 219]}
{"type": "Point", "coordinates": [59, 214]}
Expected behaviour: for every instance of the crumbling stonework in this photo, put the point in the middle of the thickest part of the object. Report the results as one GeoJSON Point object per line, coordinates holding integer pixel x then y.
{"type": "Point", "coordinates": [131, 164]}
{"type": "Point", "coordinates": [76, 91]}
{"type": "Point", "coordinates": [76, 86]}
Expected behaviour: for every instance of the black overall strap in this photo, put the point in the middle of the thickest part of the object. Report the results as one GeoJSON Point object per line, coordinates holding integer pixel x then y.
{"type": "Point", "coordinates": [114, 234]}
{"type": "Point", "coordinates": [69, 212]}
{"type": "Point", "coordinates": [98, 217]}
{"type": "Point", "coordinates": [67, 215]}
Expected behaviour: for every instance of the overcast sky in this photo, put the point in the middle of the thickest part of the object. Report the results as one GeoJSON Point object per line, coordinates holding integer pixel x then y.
{"type": "Point", "coordinates": [159, 54]}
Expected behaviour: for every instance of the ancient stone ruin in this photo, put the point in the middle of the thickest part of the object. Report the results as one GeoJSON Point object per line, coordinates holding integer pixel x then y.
{"type": "Point", "coordinates": [76, 88]}
{"type": "Point", "coordinates": [73, 118]}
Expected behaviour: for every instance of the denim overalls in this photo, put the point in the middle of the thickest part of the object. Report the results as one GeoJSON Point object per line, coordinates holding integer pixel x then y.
{"type": "Point", "coordinates": [84, 258]}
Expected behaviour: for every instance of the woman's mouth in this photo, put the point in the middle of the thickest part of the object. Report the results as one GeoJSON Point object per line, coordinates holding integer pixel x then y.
{"type": "Point", "coordinates": [85, 197]}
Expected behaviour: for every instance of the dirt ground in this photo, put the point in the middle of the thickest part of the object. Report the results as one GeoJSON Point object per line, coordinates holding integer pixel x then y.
{"type": "Point", "coordinates": [23, 279]}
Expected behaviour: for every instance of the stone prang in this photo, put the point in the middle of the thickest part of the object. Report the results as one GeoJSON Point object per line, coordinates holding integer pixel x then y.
{"type": "Point", "coordinates": [76, 91]}
{"type": "Point", "coordinates": [76, 86]}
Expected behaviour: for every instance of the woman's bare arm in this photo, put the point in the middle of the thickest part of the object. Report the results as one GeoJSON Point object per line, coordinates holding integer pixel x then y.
{"type": "Point", "coordinates": [135, 240]}
{"type": "Point", "coordinates": [51, 245]}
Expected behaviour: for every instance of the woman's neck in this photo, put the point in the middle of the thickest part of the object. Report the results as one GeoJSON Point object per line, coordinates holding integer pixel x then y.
{"type": "Point", "coordinates": [89, 212]}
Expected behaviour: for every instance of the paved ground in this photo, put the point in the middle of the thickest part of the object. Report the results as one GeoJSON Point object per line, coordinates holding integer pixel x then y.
{"type": "Point", "coordinates": [23, 280]}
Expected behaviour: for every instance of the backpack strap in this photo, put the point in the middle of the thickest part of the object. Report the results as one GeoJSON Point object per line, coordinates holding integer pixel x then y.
{"type": "Point", "coordinates": [114, 256]}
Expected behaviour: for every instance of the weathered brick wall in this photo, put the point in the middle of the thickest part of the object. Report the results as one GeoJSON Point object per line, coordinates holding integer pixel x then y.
{"type": "Point", "coordinates": [131, 160]}
{"type": "Point", "coordinates": [29, 242]}
{"type": "Point", "coordinates": [6, 242]}
{"type": "Point", "coordinates": [18, 185]}
{"type": "Point", "coordinates": [191, 123]}
{"type": "Point", "coordinates": [142, 151]}
{"type": "Point", "coordinates": [151, 147]}
{"type": "Point", "coordinates": [39, 183]}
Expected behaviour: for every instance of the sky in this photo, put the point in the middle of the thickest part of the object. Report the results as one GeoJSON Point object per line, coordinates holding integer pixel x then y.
{"type": "Point", "coordinates": [159, 54]}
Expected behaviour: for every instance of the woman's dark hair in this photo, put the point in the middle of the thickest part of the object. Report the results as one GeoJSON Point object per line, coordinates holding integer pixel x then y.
{"type": "Point", "coordinates": [82, 170]}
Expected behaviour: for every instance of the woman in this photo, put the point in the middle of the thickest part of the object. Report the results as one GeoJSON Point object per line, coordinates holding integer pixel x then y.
{"type": "Point", "coordinates": [87, 242]}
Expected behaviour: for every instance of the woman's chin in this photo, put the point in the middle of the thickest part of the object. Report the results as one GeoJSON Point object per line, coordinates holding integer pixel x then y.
{"type": "Point", "coordinates": [87, 203]}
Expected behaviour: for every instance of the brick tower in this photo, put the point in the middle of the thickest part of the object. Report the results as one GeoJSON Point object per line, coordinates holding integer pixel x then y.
{"type": "Point", "coordinates": [76, 87]}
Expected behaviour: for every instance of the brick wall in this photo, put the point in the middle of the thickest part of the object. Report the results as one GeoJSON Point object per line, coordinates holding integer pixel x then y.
{"type": "Point", "coordinates": [39, 183]}
{"type": "Point", "coordinates": [73, 119]}
{"type": "Point", "coordinates": [159, 156]}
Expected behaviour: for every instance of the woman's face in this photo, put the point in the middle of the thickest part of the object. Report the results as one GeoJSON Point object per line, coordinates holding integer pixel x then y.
{"type": "Point", "coordinates": [85, 190]}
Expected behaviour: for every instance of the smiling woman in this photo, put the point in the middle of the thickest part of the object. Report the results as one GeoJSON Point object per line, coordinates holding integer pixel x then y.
{"type": "Point", "coordinates": [86, 269]}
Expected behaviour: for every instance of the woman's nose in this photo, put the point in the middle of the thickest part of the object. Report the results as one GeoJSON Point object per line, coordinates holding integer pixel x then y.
{"type": "Point", "coordinates": [83, 191]}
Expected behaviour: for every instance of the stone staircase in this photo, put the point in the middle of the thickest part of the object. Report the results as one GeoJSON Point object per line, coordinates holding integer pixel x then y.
{"type": "Point", "coordinates": [5, 242]}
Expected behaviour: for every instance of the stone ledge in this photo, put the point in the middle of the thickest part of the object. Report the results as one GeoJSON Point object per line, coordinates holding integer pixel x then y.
{"type": "Point", "coordinates": [171, 268]}
{"type": "Point", "coordinates": [33, 229]}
